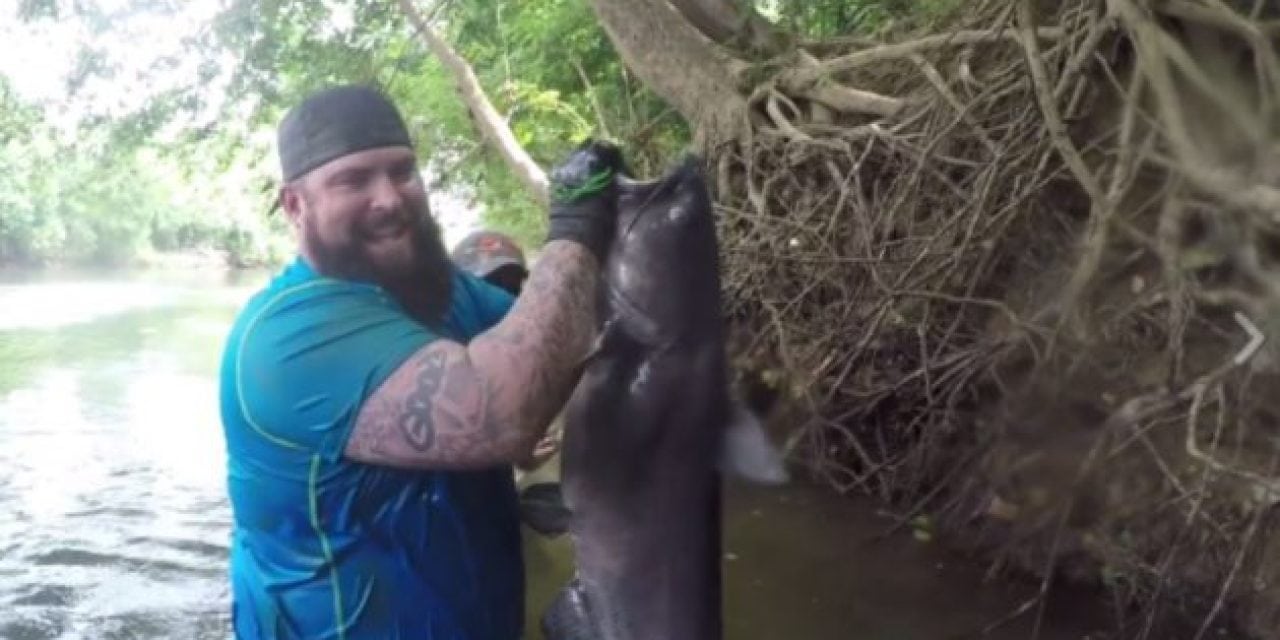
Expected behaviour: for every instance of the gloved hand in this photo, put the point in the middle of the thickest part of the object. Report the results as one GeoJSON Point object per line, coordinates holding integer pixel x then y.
{"type": "Point", "coordinates": [584, 196]}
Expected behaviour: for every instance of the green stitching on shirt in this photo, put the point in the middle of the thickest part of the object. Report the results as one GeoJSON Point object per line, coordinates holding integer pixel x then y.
{"type": "Point", "coordinates": [313, 503]}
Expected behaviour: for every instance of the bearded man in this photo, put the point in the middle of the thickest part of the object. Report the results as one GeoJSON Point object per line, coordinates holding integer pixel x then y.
{"type": "Point", "coordinates": [374, 396]}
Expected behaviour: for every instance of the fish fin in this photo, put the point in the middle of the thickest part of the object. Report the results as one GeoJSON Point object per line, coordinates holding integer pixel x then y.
{"type": "Point", "coordinates": [746, 452]}
{"type": "Point", "coordinates": [569, 616]}
{"type": "Point", "coordinates": [608, 334]}
{"type": "Point", "coordinates": [542, 508]}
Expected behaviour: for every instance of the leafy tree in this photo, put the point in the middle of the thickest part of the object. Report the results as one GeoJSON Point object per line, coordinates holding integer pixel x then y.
{"type": "Point", "coordinates": [548, 67]}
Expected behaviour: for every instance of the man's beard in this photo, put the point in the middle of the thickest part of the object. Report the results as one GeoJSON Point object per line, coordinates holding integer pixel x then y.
{"type": "Point", "coordinates": [423, 287]}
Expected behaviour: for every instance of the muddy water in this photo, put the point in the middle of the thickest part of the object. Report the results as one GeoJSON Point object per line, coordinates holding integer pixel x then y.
{"type": "Point", "coordinates": [802, 563]}
{"type": "Point", "coordinates": [114, 519]}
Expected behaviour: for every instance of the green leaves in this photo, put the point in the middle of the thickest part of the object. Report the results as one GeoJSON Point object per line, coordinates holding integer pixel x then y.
{"type": "Point", "coordinates": [817, 19]}
{"type": "Point", "coordinates": [37, 9]}
{"type": "Point", "coordinates": [106, 196]}
{"type": "Point", "coordinates": [16, 119]}
{"type": "Point", "coordinates": [195, 166]}
{"type": "Point", "coordinates": [546, 65]}
{"type": "Point", "coordinates": [827, 18]}
{"type": "Point", "coordinates": [550, 68]}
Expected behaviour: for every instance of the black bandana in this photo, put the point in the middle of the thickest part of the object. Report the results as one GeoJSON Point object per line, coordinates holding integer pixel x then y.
{"type": "Point", "coordinates": [335, 122]}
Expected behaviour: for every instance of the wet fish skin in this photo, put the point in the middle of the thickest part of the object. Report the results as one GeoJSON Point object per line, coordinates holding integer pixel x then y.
{"type": "Point", "coordinates": [645, 429]}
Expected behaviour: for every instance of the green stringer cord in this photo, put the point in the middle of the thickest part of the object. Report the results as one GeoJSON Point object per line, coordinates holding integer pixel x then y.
{"type": "Point", "coordinates": [592, 186]}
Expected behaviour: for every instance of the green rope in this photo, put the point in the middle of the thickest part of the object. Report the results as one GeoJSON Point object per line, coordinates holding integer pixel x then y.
{"type": "Point", "coordinates": [592, 186]}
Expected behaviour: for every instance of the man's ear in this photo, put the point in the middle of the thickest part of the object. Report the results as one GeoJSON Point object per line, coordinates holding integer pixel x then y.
{"type": "Point", "coordinates": [291, 202]}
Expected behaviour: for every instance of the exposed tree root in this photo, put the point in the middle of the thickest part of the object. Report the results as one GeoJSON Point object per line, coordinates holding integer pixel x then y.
{"type": "Point", "coordinates": [1009, 276]}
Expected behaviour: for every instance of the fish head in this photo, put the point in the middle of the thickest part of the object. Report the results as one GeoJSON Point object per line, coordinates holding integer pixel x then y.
{"type": "Point", "coordinates": [662, 278]}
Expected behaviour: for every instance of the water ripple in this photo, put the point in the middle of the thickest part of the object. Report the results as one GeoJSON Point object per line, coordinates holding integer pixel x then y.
{"type": "Point", "coordinates": [115, 519]}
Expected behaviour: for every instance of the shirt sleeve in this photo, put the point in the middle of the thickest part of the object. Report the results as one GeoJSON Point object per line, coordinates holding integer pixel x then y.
{"type": "Point", "coordinates": [311, 356]}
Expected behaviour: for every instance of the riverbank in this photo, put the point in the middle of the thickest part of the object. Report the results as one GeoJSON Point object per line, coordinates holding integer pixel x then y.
{"type": "Point", "coordinates": [200, 259]}
{"type": "Point", "coordinates": [192, 261]}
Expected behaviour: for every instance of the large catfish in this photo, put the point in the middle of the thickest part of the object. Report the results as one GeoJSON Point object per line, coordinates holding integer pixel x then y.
{"type": "Point", "coordinates": [648, 430]}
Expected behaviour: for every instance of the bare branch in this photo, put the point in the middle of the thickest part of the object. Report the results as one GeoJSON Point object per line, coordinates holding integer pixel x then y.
{"type": "Point", "coordinates": [730, 23]}
{"type": "Point", "coordinates": [1154, 48]}
{"type": "Point", "coordinates": [493, 127]}
{"type": "Point", "coordinates": [897, 50]}
{"type": "Point", "coordinates": [595, 98]}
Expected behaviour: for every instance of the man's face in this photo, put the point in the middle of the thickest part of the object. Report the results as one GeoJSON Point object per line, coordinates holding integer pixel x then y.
{"type": "Point", "coordinates": [365, 216]}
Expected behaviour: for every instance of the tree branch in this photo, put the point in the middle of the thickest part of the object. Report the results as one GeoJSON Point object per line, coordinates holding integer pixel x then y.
{"type": "Point", "coordinates": [731, 23]}
{"type": "Point", "coordinates": [1102, 204]}
{"type": "Point", "coordinates": [680, 65]}
{"type": "Point", "coordinates": [493, 127]}
{"type": "Point", "coordinates": [601, 121]}
{"type": "Point", "coordinates": [843, 98]}
{"type": "Point", "coordinates": [1153, 47]}
{"type": "Point", "coordinates": [813, 73]}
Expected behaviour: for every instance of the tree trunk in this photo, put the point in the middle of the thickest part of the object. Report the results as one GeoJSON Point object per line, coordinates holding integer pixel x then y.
{"type": "Point", "coordinates": [493, 127]}
{"type": "Point", "coordinates": [732, 23]}
{"type": "Point", "coordinates": [693, 74]}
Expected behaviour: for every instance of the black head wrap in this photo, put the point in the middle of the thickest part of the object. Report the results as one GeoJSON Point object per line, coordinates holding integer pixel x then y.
{"type": "Point", "coordinates": [335, 122]}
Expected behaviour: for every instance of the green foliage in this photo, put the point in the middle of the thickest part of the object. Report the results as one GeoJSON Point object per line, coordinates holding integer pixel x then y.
{"type": "Point", "coordinates": [817, 19]}
{"type": "Point", "coordinates": [117, 187]}
{"type": "Point", "coordinates": [16, 118]}
{"type": "Point", "coordinates": [94, 200]}
{"type": "Point", "coordinates": [160, 179]}
{"type": "Point", "coordinates": [827, 18]}
{"type": "Point", "coordinates": [549, 66]}
{"type": "Point", "coordinates": [545, 64]}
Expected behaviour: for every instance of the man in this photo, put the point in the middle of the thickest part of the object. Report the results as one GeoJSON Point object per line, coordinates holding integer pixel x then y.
{"type": "Point", "coordinates": [374, 397]}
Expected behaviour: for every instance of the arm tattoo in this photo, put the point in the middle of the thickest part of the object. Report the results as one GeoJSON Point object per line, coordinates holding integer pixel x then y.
{"type": "Point", "coordinates": [432, 412]}
{"type": "Point", "coordinates": [488, 403]}
{"type": "Point", "coordinates": [417, 422]}
{"type": "Point", "coordinates": [535, 350]}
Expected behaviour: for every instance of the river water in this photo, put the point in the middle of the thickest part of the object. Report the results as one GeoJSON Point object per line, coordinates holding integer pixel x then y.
{"type": "Point", "coordinates": [114, 520]}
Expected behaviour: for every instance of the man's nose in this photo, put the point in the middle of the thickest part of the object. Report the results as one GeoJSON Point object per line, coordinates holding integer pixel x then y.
{"type": "Point", "coordinates": [385, 194]}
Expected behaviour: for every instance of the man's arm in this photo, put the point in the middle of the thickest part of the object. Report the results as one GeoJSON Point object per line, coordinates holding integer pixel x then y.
{"type": "Point", "coordinates": [488, 403]}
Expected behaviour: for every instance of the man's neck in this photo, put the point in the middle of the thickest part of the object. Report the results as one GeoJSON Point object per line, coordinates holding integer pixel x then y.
{"type": "Point", "coordinates": [425, 298]}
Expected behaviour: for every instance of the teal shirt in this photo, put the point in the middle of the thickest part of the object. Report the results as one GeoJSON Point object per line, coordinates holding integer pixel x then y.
{"type": "Point", "coordinates": [328, 548]}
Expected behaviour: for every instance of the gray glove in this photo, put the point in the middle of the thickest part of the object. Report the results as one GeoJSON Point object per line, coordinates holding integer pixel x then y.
{"type": "Point", "coordinates": [584, 196]}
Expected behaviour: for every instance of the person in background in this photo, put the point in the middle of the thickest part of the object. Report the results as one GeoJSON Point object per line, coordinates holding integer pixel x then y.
{"type": "Point", "coordinates": [493, 257]}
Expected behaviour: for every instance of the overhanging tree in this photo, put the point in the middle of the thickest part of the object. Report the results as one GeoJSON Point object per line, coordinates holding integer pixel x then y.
{"type": "Point", "coordinates": [938, 236]}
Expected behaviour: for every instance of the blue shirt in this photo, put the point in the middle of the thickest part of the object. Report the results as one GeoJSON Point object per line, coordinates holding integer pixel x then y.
{"type": "Point", "coordinates": [327, 548]}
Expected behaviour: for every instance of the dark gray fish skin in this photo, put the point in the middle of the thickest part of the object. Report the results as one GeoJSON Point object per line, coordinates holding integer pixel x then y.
{"type": "Point", "coordinates": [644, 428]}
{"type": "Point", "coordinates": [542, 509]}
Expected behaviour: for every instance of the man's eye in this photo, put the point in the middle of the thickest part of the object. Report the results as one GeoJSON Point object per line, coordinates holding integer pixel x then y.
{"type": "Point", "coordinates": [403, 173]}
{"type": "Point", "coordinates": [351, 180]}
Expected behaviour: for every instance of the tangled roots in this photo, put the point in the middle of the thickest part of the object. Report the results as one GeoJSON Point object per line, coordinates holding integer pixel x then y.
{"type": "Point", "coordinates": [1018, 276]}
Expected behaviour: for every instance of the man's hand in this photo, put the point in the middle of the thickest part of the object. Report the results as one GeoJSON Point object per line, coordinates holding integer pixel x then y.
{"type": "Point", "coordinates": [584, 196]}
{"type": "Point", "coordinates": [542, 452]}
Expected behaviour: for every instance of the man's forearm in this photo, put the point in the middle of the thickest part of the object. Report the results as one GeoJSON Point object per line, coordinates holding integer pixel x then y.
{"type": "Point", "coordinates": [530, 359]}
{"type": "Point", "coordinates": [451, 406]}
